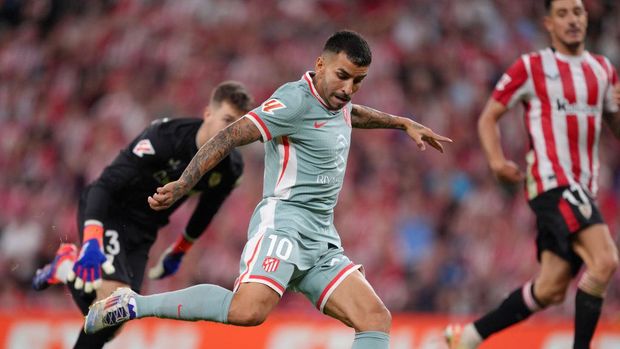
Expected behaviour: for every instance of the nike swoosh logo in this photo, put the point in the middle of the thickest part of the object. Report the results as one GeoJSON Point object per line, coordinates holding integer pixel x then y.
{"type": "Point", "coordinates": [319, 124]}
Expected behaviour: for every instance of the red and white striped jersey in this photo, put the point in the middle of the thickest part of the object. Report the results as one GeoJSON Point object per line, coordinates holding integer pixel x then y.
{"type": "Point", "coordinates": [564, 98]}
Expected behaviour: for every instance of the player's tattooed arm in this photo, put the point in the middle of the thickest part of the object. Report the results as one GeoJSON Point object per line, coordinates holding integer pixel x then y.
{"type": "Point", "coordinates": [365, 117]}
{"type": "Point", "coordinates": [239, 133]}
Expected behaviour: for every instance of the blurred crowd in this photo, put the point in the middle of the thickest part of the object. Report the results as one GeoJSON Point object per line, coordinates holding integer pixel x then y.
{"type": "Point", "coordinates": [435, 232]}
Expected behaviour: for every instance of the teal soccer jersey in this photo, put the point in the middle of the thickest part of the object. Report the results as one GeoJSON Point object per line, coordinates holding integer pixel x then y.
{"type": "Point", "coordinates": [292, 241]}
{"type": "Point", "coordinates": [306, 149]}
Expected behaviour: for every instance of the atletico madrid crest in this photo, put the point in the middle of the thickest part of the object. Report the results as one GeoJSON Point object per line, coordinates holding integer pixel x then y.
{"type": "Point", "coordinates": [270, 264]}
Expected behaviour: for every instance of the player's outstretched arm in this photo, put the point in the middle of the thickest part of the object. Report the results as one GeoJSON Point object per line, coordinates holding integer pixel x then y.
{"type": "Point", "coordinates": [239, 133]}
{"type": "Point", "coordinates": [365, 117]}
{"type": "Point", "coordinates": [488, 131]}
{"type": "Point", "coordinates": [613, 119]}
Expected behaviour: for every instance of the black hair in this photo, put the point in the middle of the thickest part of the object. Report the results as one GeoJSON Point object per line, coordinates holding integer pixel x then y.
{"type": "Point", "coordinates": [548, 5]}
{"type": "Point", "coordinates": [234, 93]}
{"type": "Point", "coordinates": [352, 44]}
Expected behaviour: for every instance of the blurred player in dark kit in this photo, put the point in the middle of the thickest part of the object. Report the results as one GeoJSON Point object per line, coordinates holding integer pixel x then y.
{"type": "Point", "coordinates": [117, 225]}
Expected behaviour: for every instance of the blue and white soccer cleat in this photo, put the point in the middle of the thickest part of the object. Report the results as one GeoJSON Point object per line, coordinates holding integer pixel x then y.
{"type": "Point", "coordinates": [119, 307]}
{"type": "Point", "coordinates": [56, 271]}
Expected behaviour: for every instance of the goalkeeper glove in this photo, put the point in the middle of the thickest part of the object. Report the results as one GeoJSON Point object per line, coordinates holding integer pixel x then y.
{"type": "Point", "coordinates": [87, 269]}
{"type": "Point", "coordinates": [170, 260]}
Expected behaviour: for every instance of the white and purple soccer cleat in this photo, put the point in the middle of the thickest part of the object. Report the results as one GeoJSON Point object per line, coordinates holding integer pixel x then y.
{"type": "Point", "coordinates": [119, 307]}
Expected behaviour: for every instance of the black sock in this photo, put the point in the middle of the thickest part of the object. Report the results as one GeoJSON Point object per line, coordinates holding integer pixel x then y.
{"type": "Point", "coordinates": [95, 340]}
{"type": "Point", "coordinates": [82, 299]}
{"type": "Point", "coordinates": [587, 313]}
{"type": "Point", "coordinates": [512, 310]}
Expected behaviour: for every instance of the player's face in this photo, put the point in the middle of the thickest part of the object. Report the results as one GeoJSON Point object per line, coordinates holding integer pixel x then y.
{"type": "Point", "coordinates": [567, 22]}
{"type": "Point", "coordinates": [337, 78]}
{"type": "Point", "coordinates": [218, 116]}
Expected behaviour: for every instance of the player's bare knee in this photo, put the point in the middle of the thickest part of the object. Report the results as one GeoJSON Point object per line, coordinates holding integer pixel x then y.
{"type": "Point", "coordinates": [247, 312]}
{"type": "Point", "coordinates": [378, 318]}
{"type": "Point", "coordinates": [556, 296]}
{"type": "Point", "coordinates": [551, 294]}
{"type": "Point", "coordinates": [381, 320]}
{"type": "Point", "coordinates": [251, 317]}
{"type": "Point", "coordinates": [604, 266]}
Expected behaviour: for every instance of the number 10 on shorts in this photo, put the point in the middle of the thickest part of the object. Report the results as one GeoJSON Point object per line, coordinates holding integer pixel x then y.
{"type": "Point", "coordinates": [283, 249]}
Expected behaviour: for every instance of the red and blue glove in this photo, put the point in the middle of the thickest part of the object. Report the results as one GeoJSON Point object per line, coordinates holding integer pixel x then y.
{"type": "Point", "coordinates": [170, 260]}
{"type": "Point", "coordinates": [91, 260]}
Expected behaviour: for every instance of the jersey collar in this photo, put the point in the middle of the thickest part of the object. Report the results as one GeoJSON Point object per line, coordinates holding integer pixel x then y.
{"type": "Point", "coordinates": [568, 58]}
{"type": "Point", "coordinates": [308, 77]}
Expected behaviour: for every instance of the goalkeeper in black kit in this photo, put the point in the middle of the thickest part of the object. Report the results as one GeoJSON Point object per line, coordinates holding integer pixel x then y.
{"type": "Point", "coordinates": [115, 222]}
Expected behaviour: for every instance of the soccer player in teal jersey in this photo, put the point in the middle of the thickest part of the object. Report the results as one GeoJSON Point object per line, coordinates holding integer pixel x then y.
{"type": "Point", "coordinates": [292, 241]}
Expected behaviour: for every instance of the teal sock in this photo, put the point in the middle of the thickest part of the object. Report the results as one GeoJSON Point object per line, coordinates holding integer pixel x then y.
{"type": "Point", "coordinates": [371, 340]}
{"type": "Point", "coordinates": [201, 302]}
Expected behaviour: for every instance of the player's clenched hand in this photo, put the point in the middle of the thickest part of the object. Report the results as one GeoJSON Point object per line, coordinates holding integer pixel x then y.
{"type": "Point", "coordinates": [617, 93]}
{"type": "Point", "coordinates": [91, 260]}
{"type": "Point", "coordinates": [422, 134]}
{"type": "Point", "coordinates": [508, 172]}
{"type": "Point", "coordinates": [167, 195]}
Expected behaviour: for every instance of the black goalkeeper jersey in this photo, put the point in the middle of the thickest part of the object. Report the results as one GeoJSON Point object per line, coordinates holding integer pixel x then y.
{"type": "Point", "coordinates": [158, 156]}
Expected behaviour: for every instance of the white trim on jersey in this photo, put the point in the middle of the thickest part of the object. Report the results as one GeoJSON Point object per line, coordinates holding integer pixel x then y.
{"type": "Point", "coordinates": [264, 132]}
{"type": "Point", "coordinates": [308, 77]}
{"type": "Point", "coordinates": [249, 257]}
{"type": "Point", "coordinates": [333, 285]}
{"type": "Point", "coordinates": [267, 221]}
{"type": "Point", "coordinates": [273, 284]}
{"type": "Point", "coordinates": [287, 175]}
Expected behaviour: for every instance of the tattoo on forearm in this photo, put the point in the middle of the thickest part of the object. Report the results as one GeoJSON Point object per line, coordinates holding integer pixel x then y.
{"type": "Point", "coordinates": [211, 153]}
{"type": "Point", "coordinates": [365, 117]}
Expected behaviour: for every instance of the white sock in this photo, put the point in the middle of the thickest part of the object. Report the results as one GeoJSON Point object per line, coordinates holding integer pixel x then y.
{"type": "Point", "coordinates": [470, 338]}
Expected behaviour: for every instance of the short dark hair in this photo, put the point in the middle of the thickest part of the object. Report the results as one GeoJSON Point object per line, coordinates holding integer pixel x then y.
{"type": "Point", "coordinates": [234, 93]}
{"type": "Point", "coordinates": [548, 5]}
{"type": "Point", "coordinates": [352, 44]}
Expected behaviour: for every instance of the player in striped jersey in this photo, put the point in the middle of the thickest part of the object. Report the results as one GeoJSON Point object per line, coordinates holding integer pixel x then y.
{"type": "Point", "coordinates": [567, 93]}
{"type": "Point", "coordinates": [292, 241]}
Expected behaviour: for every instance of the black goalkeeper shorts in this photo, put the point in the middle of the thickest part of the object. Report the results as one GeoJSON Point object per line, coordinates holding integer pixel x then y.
{"type": "Point", "coordinates": [127, 243]}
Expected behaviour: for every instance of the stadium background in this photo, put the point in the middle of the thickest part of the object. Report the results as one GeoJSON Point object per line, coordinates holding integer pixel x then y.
{"type": "Point", "coordinates": [435, 232]}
